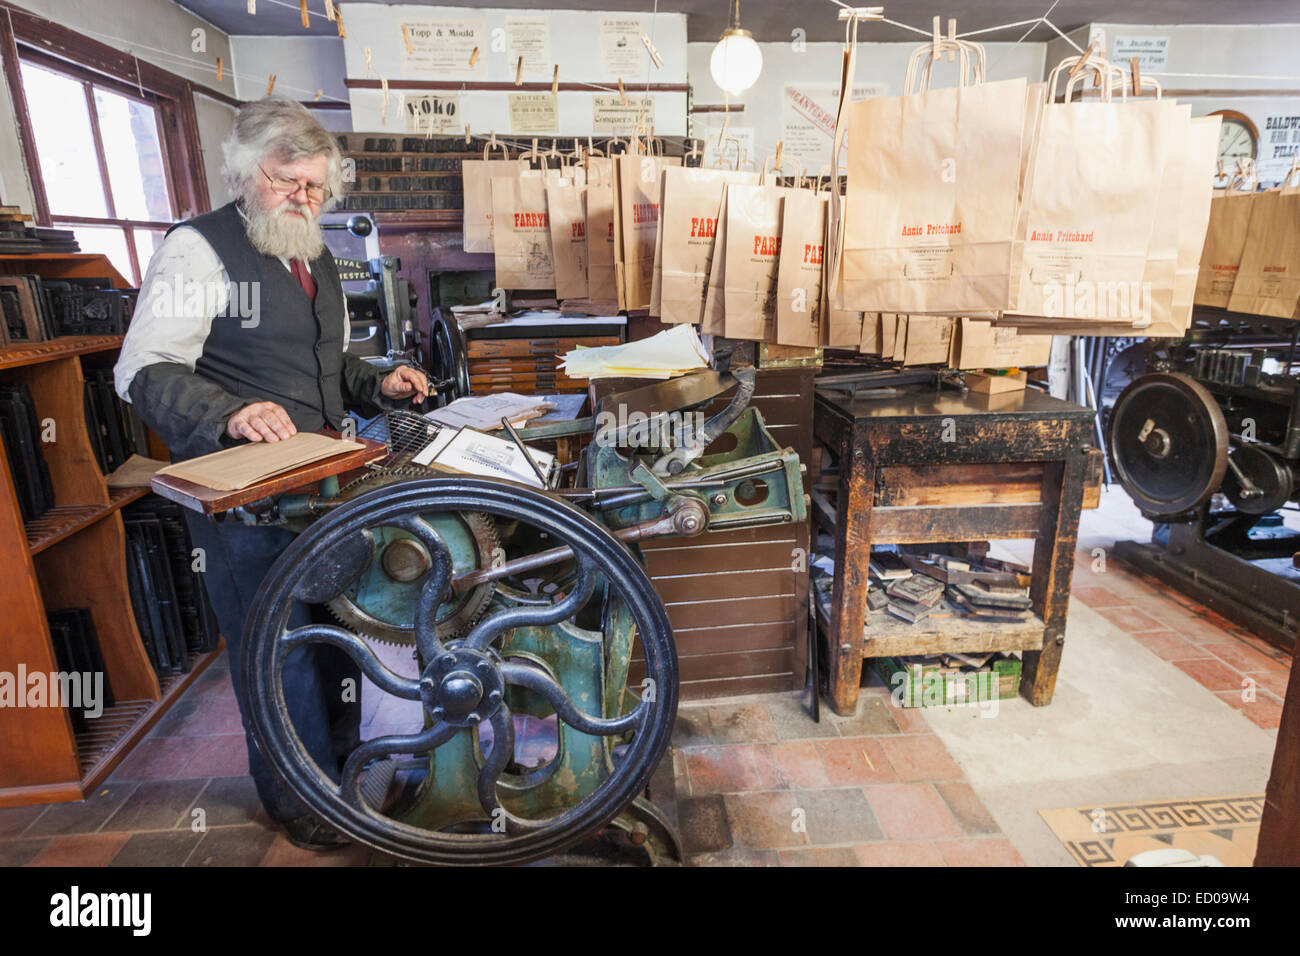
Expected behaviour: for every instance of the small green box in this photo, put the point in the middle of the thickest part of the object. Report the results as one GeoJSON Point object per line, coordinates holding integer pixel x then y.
{"type": "Point", "coordinates": [927, 683]}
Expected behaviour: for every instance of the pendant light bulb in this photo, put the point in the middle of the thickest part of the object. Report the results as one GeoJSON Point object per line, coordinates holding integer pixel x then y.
{"type": "Point", "coordinates": [736, 60]}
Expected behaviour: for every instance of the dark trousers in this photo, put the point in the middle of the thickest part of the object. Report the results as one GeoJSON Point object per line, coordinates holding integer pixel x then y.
{"type": "Point", "coordinates": [324, 707]}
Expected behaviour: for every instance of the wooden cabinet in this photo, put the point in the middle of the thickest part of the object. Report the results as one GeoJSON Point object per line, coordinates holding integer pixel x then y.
{"type": "Point", "coordinates": [72, 556]}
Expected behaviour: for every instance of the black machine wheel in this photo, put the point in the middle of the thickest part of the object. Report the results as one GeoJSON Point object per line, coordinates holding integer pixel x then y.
{"type": "Point", "coordinates": [1169, 441]}
{"type": "Point", "coordinates": [448, 359]}
{"type": "Point", "coordinates": [462, 682]}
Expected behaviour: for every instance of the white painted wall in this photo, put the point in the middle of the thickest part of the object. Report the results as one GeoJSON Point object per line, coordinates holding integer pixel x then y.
{"type": "Point", "coordinates": [156, 31]}
{"type": "Point", "coordinates": [574, 45]}
{"type": "Point", "coordinates": [1246, 58]}
{"type": "Point", "coordinates": [818, 64]}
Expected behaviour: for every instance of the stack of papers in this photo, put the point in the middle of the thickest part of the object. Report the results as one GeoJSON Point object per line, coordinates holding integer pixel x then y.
{"type": "Point", "coordinates": [244, 465]}
{"type": "Point", "coordinates": [665, 355]}
{"type": "Point", "coordinates": [485, 412]}
{"type": "Point", "coordinates": [475, 453]}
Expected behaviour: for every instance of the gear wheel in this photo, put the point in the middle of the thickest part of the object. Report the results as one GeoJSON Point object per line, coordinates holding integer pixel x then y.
{"type": "Point", "coordinates": [378, 601]}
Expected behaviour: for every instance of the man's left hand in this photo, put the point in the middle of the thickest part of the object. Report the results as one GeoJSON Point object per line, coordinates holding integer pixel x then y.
{"type": "Point", "coordinates": [405, 382]}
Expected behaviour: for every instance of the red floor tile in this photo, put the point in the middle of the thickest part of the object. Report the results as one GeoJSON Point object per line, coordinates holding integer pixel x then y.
{"type": "Point", "coordinates": [910, 720]}
{"type": "Point", "coordinates": [1264, 711]}
{"type": "Point", "coordinates": [991, 851]}
{"type": "Point", "coordinates": [764, 821]}
{"type": "Point", "coordinates": [920, 757]}
{"type": "Point", "coordinates": [1168, 646]}
{"type": "Point", "coordinates": [820, 856]}
{"type": "Point", "coordinates": [722, 769]}
{"type": "Point", "coordinates": [899, 854]}
{"type": "Point", "coordinates": [1211, 673]}
{"type": "Point", "coordinates": [789, 764]}
{"type": "Point", "coordinates": [853, 761]}
{"type": "Point", "coordinates": [912, 811]}
{"type": "Point", "coordinates": [218, 755]}
{"type": "Point", "coordinates": [1131, 620]}
{"type": "Point", "coordinates": [1243, 658]}
{"type": "Point", "coordinates": [1275, 682]}
{"type": "Point", "coordinates": [741, 723]}
{"type": "Point", "coordinates": [1096, 596]}
{"type": "Point", "coordinates": [157, 758]}
{"type": "Point", "coordinates": [82, 849]}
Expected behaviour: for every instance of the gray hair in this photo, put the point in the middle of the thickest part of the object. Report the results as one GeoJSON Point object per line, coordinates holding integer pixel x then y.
{"type": "Point", "coordinates": [278, 127]}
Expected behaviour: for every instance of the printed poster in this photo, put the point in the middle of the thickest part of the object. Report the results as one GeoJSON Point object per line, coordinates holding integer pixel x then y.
{"type": "Point", "coordinates": [432, 113]}
{"type": "Point", "coordinates": [533, 114]}
{"type": "Point", "coordinates": [609, 117]}
{"type": "Point", "coordinates": [808, 120]}
{"type": "Point", "coordinates": [621, 51]}
{"type": "Point", "coordinates": [442, 48]}
{"type": "Point", "coordinates": [530, 37]}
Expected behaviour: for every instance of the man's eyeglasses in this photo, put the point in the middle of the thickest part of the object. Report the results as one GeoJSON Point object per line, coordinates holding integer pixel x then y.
{"type": "Point", "coordinates": [282, 186]}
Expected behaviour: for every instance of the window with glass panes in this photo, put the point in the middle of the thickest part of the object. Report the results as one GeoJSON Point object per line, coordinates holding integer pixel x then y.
{"type": "Point", "coordinates": [102, 163]}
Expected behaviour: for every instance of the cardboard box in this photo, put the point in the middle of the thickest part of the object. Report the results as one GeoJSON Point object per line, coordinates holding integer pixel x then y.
{"type": "Point", "coordinates": [985, 384]}
{"type": "Point", "coordinates": [927, 683]}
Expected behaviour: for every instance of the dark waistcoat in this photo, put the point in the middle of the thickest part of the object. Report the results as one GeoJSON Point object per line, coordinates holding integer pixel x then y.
{"type": "Point", "coordinates": [290, 349]}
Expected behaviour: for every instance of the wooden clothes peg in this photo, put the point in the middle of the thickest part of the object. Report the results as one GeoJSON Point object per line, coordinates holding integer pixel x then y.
{"type": "Point", "coordinates": [519, 72]}
{"type": "Point", "coordinates": [936, 49]}
{"type": "Point", "coordinates": [219, 69]}
{"type": "Point", "coordinates": [555, 80]}
{"type": "Point", "coordinates": [406, 38]}
{"type": "Point", "coordinates": [467, 134]}
{"type": "Point", "coordinates": [952, 39]}
{"type": "Point", "coordinates": [270, 84]}
{"type": "Point", "coordinates": [1087, 55]}
{"type": "Point", "coordinates": [622, 93]}
{"type": "Point", "coordinates": [473, 56]}
{"type": "Point", "coordinates": [304, 16]}
{"type": "Point", "coordinates": [1136, 72]}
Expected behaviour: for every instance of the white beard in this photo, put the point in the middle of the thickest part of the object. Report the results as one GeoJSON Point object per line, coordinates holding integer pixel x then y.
{"type": "Point", "coordinates": [279, 233]}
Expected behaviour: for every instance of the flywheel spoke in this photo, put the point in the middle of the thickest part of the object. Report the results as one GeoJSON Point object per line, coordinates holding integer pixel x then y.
{"type": "Point", "coordinates": [423, 742]}
{"type": "Point", "coordinates": [503, 748]}
{"type": "Point", "coordinates": [434, 589]}
{"type": "Point", "coordinates": [491, 628]}
{"type": "Point", "coordinates": [541, 682]}
{"type": "Point", "coordinates": [357, 649]}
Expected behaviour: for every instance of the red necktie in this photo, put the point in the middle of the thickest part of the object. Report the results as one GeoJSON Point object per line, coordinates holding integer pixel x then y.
{"type": "Point", "coordinates": [303, 275]}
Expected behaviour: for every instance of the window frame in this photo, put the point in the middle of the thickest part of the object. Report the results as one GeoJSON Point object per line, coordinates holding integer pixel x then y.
{"type": "Point", "coordinates": [89, 82]}
{"type": "Point", "coordinates": [25, 37]}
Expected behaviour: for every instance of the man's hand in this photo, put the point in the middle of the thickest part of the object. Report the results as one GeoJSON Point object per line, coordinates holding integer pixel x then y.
{"type": "Point", "coordinates": [261, 421]}
{"type": "Point", "coordinates": [405, 382]}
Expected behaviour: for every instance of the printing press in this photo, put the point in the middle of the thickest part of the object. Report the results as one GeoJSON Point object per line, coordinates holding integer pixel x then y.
{"type": "Point", "coordinates": [516, 603]}
{"type": "Point", "coordinates": [1207, 443]}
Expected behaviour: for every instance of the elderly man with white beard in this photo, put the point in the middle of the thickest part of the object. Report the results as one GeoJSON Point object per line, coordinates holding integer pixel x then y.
{"type": "Point", "coordinates": [240, 335]}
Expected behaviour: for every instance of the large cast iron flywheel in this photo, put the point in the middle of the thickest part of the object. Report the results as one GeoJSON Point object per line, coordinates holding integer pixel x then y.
{"type": "Point", "coordinates": [468, 683]}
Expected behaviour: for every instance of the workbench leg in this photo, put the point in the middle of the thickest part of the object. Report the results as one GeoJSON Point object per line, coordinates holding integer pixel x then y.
{"type": "Point", "coordinates": [1058, 532]}
{"type": "Point", "coordinates": [852, 553]}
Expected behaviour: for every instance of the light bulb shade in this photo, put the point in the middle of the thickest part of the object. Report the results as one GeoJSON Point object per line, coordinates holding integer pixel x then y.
{"type": "Point", "coordinates": [736, 61]}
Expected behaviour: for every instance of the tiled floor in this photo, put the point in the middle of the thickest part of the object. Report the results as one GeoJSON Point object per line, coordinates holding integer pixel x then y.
{"type": "Point", "coordinates": [748, 780]}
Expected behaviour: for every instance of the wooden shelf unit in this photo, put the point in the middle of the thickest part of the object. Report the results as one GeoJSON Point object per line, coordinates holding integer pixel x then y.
{"type": "Point", "coordinates": [72, 556]}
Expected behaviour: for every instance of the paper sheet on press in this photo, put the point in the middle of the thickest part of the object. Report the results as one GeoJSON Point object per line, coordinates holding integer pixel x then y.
{"type": "Point", "coordinates": [667, 354]}
{"type": "Point", "coordinates": [485, 412]}
{"type": "Point", "coordinates": [244, 465]}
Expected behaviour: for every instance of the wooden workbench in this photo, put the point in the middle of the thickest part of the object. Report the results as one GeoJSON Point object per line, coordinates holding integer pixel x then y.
{"type": "Point", "coordinates": [929, 466]}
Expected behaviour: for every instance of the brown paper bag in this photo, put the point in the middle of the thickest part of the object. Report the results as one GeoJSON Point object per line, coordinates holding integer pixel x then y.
{"type": "Point", "coordinates": [1225, 241]}
{"type": "Point", "coordinates": [930, 212]}
{"type": "Point", "coordinates": [1093, 195]}
{"type": "Point", "coordinates": [691, 201]}
{"type": "Point", "coordinates": [1268, 281]}
{"type": "Point", "coordinates": [752, 247]}
{"type": "Point", "coordinates": [929, 339]}
{"type": "Point", "coordinates": [1193, 213]}
{"type": "Point", "coordinates": [476, 176]}
{"type": "Point", "coordinates": [869, 344]}
{"type": "Point", "coordinates": [713, 320]}
{"type": "Point", "coordinates": [980, 344]}
{"type": "Point", "coordinates": [521, 233]}
{"type": "Point", "coordinates": [568, 238]}
{"type": "Point", "coordinates": [636, 219]}
{"type": "Point", "coordinates": [602, 286]}
{"type": "Point", "coordinates": [799, 269]}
